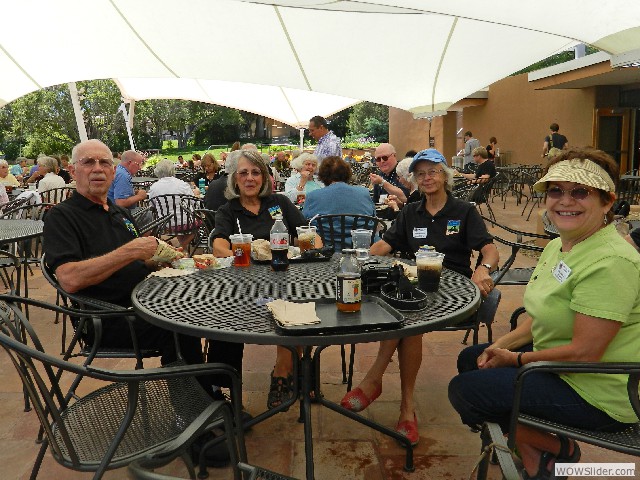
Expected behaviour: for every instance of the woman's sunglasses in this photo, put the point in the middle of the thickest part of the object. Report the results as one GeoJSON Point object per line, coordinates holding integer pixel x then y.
{"type": "Point", "coordinates": [577, 193]}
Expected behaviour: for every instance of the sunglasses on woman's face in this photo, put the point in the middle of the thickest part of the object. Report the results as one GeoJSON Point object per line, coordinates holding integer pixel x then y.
{"type": "Point", "coordinates": [577, 193]}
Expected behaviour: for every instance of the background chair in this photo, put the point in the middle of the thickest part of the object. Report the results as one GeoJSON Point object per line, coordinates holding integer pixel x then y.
{"type": "Point", "coordinates": [484, 315]}
{"type": "Point", "coordinates": [180, 208]}
{"type": "Point", "coordinates": [335, 229]}
{"type": "Point", "coordinates": [154, 411]}
{"type": "Point", "coordinates": [208, 223]}
{"type": "Point", "coordinates": [57, 195]}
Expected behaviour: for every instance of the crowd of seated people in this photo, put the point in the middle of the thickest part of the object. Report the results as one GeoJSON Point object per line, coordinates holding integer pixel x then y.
{"type": "Point", "coordinates": [579, 188]}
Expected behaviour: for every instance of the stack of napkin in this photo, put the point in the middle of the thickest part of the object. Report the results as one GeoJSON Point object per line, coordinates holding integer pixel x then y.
{"type": "Point", "coordinates": [291, 313]}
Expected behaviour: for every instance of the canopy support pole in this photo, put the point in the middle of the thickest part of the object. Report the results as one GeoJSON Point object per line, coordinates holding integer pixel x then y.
{"type": "Point", "coordinates": [302, 139]}
{"type": "Point", "coordinates": [127, 124]}
{"type": "Point", "coordinates": [77, 111]}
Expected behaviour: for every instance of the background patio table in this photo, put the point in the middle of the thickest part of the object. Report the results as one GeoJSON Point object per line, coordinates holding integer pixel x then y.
{"type": "Point", "coordinates": [227, 304]}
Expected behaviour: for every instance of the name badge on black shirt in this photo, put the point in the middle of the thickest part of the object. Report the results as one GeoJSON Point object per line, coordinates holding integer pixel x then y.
{"type": "Point", "coordinates": [419, 232]}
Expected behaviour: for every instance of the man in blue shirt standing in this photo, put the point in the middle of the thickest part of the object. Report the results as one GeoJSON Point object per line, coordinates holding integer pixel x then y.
{"type": "Point", "coordinates": [328, 143]}
{"type": "Point", "coordinates": [121, 192]}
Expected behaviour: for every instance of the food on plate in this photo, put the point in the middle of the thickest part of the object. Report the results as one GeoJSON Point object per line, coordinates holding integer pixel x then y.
{"type": "Point", "coordinates": [205, 261]}
{"type": "Point", "coordinates": [261, 250]}
{"type": "Point", "coordinates": [165, 253]}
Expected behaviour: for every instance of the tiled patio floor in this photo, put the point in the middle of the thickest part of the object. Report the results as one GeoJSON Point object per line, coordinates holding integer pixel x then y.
{"type": "Point", "coordinates": [343, 449]}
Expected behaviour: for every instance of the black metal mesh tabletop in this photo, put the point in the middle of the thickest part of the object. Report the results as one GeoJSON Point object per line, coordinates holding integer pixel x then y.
{"type": "Point", "coordinates": [228, 304]}
{"type": "Point", "coordinates": [15, 230]}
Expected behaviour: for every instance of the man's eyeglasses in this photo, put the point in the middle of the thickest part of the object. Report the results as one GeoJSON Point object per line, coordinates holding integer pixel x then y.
{"type": "Point", "coordinates": [428, 173]}
{"type": "Point", "coordinates": [577, 193]}
{"type": "Point", "coordinates": [90, 162]}
{"type": "Point", "coordinates": [384, 158]}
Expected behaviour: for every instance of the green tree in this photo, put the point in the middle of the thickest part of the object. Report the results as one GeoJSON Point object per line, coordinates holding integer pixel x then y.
{"type": "Point", "coordinates": [359, 123]}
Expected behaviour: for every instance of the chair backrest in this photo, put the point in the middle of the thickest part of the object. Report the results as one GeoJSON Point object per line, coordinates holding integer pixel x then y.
{"type": "Point", "coordinates": [8, 207]}
{"type": "Point", "coordinates": [489, 307]}
{"type": "Point", "coordinates": [482, 192]}
{"type": "Point", "coordinates": [629, 190]}
{"type": "Point", "coordinates": [57, 195]}
{"type": "Point", "coordinates": [523, 241]}
{"type": "Point", "coordinates": [336, 229]}
{"type": "Point", "coordinates": [180, 208]}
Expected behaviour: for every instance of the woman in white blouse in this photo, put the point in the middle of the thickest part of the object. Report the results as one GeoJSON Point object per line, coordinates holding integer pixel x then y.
{"type": "Point", "coordinates": [305, 179]}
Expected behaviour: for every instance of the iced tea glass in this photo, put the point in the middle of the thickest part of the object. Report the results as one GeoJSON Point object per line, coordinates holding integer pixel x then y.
{"type": "Point", "coordinates": [306, 238]}
{"type": "Point", "coordinates": [241, 248]}
{"type": "Point", "coordinates": [429, 266]}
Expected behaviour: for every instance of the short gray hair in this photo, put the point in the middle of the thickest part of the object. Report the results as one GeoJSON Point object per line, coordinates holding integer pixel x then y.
{"type": "Point", "coordinates": [402, 169]}
{"type": "Point", "coordinates": [232, 191]}
{"type": "Point", "coordinates": [165, 168]}
{"type": "Point", "coordinates": [249, 146]}
{"type": "Point", "coordinates": [298, 162]}
{"type": "Point", "coordinates": [50, 163]}
{"type": "Point", "coordinates": [4, 162]}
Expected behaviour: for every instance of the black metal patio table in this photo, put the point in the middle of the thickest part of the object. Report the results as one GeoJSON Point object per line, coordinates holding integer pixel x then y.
{"type": "Point", "coordinates": [228, 305]}
{"type": "Point", "coordinates": [13, 231]}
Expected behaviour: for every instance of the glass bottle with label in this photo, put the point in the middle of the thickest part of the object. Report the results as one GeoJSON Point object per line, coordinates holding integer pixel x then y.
{"type": "Point", "coordinates": [201, 186]}
{"type": "Point", "coordinates": [279, 243]}
{"type": "Point", "coordinates": [348, 283]}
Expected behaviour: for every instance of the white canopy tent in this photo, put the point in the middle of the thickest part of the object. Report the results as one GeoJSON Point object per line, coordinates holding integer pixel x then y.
{"type": "Point", "coordinates": [417, 55]}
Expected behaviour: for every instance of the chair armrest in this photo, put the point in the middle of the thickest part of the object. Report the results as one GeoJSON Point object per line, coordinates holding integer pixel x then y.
{"type": "Point", "coordinates": [621, 368]}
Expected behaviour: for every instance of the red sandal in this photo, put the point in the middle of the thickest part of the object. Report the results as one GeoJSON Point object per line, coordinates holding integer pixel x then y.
{"type": "Point", "coordinates": [409, 429]}
{"type": "Point", "coordinates": [356, 400]}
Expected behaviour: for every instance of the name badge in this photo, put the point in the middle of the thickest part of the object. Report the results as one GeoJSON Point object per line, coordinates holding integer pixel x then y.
{"type": "Point", "coordinates": [419, 233]}
{"type": "Point", "coordinates": [561, 272]}
{"type": "Point", "coordinates": [453, 227]}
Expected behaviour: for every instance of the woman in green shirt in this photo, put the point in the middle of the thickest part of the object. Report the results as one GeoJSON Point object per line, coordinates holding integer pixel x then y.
{"type": "Point", "coordinates": [583, 300]}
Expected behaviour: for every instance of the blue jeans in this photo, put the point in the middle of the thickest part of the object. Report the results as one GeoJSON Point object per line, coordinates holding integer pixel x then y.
{"type": "Point", "coordinates": [487, 396]}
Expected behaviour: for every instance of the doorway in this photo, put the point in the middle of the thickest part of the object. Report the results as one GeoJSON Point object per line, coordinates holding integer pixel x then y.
{"type": "Point", "coordinates": [612, 134]}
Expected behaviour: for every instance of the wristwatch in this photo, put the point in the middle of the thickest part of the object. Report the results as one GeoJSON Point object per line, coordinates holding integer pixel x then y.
{"type": "Point", "coordinates": [489, 267]}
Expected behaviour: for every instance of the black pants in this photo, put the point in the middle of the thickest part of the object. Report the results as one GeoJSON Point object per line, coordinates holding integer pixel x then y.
{"type": "Point", "coordinates": [225, 352]}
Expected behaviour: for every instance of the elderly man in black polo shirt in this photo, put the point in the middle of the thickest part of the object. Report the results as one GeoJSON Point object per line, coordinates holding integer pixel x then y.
{"type": "Point", "coordinates": [94, 249]}
{"type": "Point", "coordinates": [454, 228]}
{"type": "Point", "coordinates": [387, 182]}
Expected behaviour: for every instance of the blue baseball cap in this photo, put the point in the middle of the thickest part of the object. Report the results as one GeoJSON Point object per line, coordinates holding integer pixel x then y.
{"type": "Point", "coordinates": [428, 155]}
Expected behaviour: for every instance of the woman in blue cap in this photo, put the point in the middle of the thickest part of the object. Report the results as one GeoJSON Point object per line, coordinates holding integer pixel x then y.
{"type": "Point", "coordinates": [454, 228]}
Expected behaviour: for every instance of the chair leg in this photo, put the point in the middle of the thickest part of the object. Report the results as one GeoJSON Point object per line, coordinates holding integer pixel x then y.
{"type": "Point", "coordinates": [352, 357]}
{"type": "Point", "coordinates": [343, 355]}
{"type": "Point", "coordinates": [39, 458]}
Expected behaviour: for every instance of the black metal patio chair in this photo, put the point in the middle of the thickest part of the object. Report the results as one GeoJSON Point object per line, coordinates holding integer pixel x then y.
{"type": "Point", "coordinates": [57, 195]}
{"type": "Point", "coordinates": [180, 208]}
{"type": "Point", "coordinates": [158, 411]}
{"type": "Point", "coordinates": [625, 441]}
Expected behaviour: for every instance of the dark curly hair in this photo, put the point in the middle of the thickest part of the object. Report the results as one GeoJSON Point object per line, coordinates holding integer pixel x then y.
{"type": "Point", "coordinates": [334, 169]}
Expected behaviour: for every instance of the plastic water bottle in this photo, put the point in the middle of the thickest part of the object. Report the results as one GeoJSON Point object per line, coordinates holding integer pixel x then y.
{"type": "Point", "coordinates": [201, 186]}
{"type": "Point", "coordinates": [279, 242]}
{"type": "Point", "coordinates": [348, 283]}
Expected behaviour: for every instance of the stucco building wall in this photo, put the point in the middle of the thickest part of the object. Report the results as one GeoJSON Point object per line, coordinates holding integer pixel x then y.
{"type": "Point", "coordinates": [515, 113]}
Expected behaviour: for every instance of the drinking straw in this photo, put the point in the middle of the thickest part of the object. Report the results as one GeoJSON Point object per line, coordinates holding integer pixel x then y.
{"type": "Point", "coordinates": [239, 229]}
{"type": "Point", "coordinates": [313, 218]}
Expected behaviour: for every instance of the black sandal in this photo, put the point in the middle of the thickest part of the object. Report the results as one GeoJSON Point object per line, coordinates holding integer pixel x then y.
{"type": "Point", "coordinates": [544, 472]}
{"type": "Point", "coordinates": [279, 391]}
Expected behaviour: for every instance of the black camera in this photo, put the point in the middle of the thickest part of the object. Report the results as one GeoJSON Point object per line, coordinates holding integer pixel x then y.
{"type": "Point", "coordinates": [374, 275]}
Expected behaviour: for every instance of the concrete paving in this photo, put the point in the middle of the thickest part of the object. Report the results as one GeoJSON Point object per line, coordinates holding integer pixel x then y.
{"type": "Point", "coordinates": [343, 448]}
